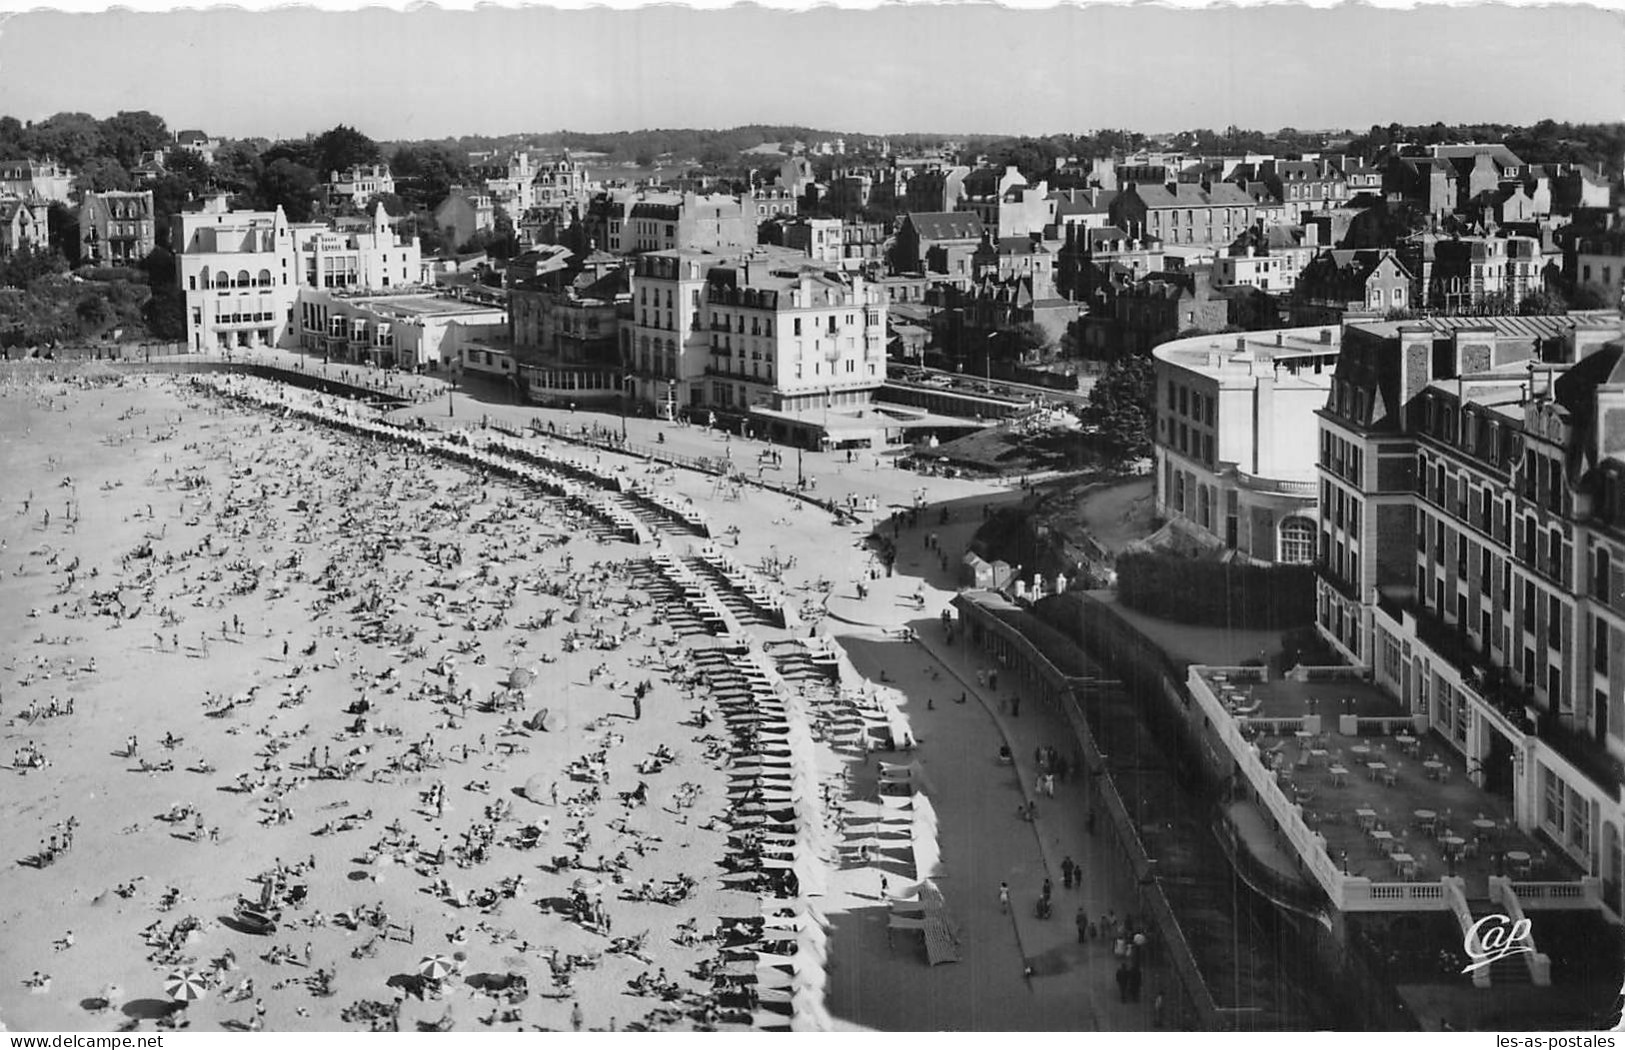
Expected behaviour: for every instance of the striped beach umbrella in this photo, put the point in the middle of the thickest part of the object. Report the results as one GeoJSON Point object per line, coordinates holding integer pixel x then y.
{"type": "Point", "coordinates": [435, 967]}
{"type": "Point", "coordinates": [185, 986]}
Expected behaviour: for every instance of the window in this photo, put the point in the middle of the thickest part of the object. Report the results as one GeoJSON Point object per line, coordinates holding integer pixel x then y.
{"type": "Point", "coordinates": [1297, 541]}
{"type": "Point", "coordinates": [1600, 574]}
{"type": "Point", "coordinates": [1599, 646]}
{"type": "Point", "coordinates": [1554, 622]}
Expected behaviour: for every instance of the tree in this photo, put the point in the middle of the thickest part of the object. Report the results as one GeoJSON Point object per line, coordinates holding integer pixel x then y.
{"type": "Point", "coordinates": [1121, 406]}
{"type": "Point", "coordinates": [165, 312]}
{"type": "Point", "coordinates": [300, 151]}
{"type": "Point", "coordinates": [71, 138]}
{"type": "Point", "coordinates": [12, 134]}
{"type": "Point", "coordinates": [130, 133]}
{"type": "Point", "coordinates": [342, 148]}
{"type": "Point", "coordinates": [237, 167]}
{"type": "Point", "coordinates": [394, 207]}
{"type": "Point", "coordinates": [197, 173]}
{"type": "Point", "coordinates": [26, 265]}
{"type": "Point", "coordinates": [1588, 297]}
{"type": "Point", "coordinates": [1544, 303]}
{"type": "Point", "coordinates": [1029, 341]}
{"type": "Point", "coordinates": [425, 174]}
{"type": "Point", "coordinates": [292, 187]}
{"type": "Point", "coordinates": [100, 174]}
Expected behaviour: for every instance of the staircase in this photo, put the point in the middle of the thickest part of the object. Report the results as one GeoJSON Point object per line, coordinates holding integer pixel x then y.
{"type": "Point", "coordinates": [1510, 969]}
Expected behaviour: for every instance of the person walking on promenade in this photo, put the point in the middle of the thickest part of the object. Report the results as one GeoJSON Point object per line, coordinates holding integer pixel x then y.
{"type": "Point", "coordinates": [1082, 922]}
{"type": "Point", "coordinates": [1004, 897]}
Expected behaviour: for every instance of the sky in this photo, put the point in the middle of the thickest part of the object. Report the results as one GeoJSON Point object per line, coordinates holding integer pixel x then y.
{"type": "Point", "coordinates": [931, 68]}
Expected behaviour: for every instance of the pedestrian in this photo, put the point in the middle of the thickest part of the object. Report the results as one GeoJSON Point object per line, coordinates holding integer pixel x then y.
{"type": "Point", "coordinates": [637, 707]}
{"type": "Point", "coordinates": [1066, 872]}
{"type": "Point", "coordinates": [1015, 704]}
{"type": "Point", "coordinates": [1082, 922]}
{"type": "Point", "coordinates": [1049, 785]}
{"type": "Point", "coordinates": [1004, 897]}
{"type": "Point", "coordinates": [1122, 982]}
{"type": "Point", "coordinates": [575, 1010]}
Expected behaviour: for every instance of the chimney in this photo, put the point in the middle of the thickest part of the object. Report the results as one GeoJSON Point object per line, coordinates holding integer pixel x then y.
{"type": "Point", "coordinates": [1325, 337]}
{"type": "Point", "coordinates": [1415, 361]}
{"type": "Point", "coordinates": [1280, 338]}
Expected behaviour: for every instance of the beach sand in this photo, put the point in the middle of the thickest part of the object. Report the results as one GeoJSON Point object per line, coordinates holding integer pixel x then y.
{"type": "Point", "coordinates": [294, 572]}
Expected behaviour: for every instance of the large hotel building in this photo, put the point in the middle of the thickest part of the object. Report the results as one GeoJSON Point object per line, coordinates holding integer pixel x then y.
{"type": "Point", "coordinates": [1471, 552]}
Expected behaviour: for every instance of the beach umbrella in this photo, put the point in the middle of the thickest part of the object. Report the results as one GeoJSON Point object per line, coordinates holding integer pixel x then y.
{"type": "Point", "coordinates": [436, 967]}
{"type": "Point", "coordinates": [185, 986]}
{"type": "Point", "coordinates": [520, 677]}
{"type": "Point", "coordinates": [589, 884]}
{"type": "Point", "coordinates": [536, 788]}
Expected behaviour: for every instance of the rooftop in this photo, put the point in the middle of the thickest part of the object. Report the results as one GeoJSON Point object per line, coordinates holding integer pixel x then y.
{"type": "Point", "coordinates": [1243, 355]}
{"type": "Point", "coordinates": [420, 304]}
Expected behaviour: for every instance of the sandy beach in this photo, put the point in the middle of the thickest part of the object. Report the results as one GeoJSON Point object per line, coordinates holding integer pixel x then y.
{"type": "Point", "coordinates": [486, 762]}
{"type": "Point", "coordinates": [301, 666]}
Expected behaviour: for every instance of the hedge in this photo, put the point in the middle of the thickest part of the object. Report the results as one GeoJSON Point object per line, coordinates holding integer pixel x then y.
{"type": "Point", "coordinates": [1216, 594]}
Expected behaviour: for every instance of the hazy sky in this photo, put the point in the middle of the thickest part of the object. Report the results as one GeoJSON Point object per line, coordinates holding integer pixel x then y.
{"type": "Point", "coordinates": [924, 68]}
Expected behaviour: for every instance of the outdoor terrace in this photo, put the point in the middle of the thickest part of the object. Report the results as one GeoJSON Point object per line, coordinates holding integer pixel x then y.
{"type": "Point", "coordinates": [1365, 798]}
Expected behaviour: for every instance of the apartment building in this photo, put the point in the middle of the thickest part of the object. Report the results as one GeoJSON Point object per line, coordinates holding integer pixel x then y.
{"type": "Point", "coordinates": [116, 228]}
{"type": "Point", "coordinates": [558, 181]}
{"type": "Point", "coordinates": [635, 221]}
{"type": "Point", "coordinates": [1304, 185]}
{"type": "Point", "coordinates": [1229, 464]}
{"type": "Point", "coordinates": [360, 184]}
{"type": "Point", "coordinates": [43, 180]}
{"type": "Point", "coordinates": [1181, 213]}
{"type": "Point", "coordinates": [785, 339]}
{"type": "Point", "coordinates": [509, 182]}
{"type": "Point", "coordinates": [1599, 264]}
{"type": "Point", "coordinates": [1340, 281]}
{"type": "Point", "coordinates": [197, 143]}
{"type": "Point", "coordinates": [937, 242]}
{"type": "Point", "coordinates": [242, 271]}
{"type": "Point", "coordinates": [665, 347]}
{"type": "Point", "coordinates": [464, 213]}
{"type": "Point", "coordinates": [1472, 531]}
{"type": "Point", "coordinates": [23, 224]}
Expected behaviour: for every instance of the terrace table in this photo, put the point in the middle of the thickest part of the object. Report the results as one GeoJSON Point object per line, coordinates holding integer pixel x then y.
{"type": "Point", "coordinates": [1426, 818]}
{"type": "Point", "coordinates": [1360, 749]}
{"type": "Point", "coordinates": [1519, 860]}
{"type": "Point", "coordinates": [1384, 840]}
{"type": "Point", "coordinates": [1483, 826]}
{"type": "Point", "coordinates": [1340, 775]}
{"type": "Point", "coordinates": [1452, 845]}
{"type": "Point", "coordinates": [1404, 864]}
{"type": "Point", "coordinates": [1376, 768]}
{"type": "Point", "coordinates": [1367, 817]}
{"type": "Point", "coordinates": [1407, 742]}
{"type": "Point", "coordinates": [1318, 752]}
{"type": "Point", "coordinates": [1434, 767]}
